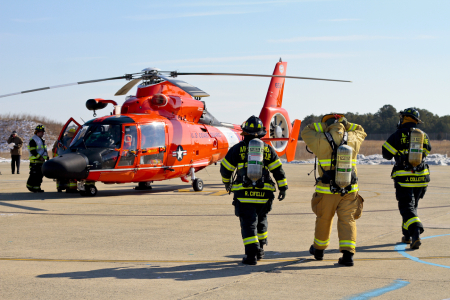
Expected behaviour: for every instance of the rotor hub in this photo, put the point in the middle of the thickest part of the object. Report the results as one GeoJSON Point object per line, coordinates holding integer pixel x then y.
{"type": "Point", "coordinates": [278, 132]}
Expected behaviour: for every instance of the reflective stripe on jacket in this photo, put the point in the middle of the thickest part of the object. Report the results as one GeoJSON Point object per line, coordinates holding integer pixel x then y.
{"type": "Point", "coordinates": [397, 147]}
{"type": "Point", "coordinates": [314, 137]}
{"type": "Point", "coordinates": [37, 150]}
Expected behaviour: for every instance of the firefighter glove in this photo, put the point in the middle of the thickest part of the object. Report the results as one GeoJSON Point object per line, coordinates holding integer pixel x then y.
{"type": "Point", "coordinates": [228, 186]}
{"type": "Point", "coordinates": [282, 195]}
{"type": "Point", "coordinates": [343, 120]}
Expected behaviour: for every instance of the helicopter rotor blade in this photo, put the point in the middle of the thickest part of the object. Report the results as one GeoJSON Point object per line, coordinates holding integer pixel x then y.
{"type": "Point", "coordinates": [127, 87]}
{"type": "Point", "coordinates": [175, 74]}
{"type": "Point", "coordinates": [127, 76]}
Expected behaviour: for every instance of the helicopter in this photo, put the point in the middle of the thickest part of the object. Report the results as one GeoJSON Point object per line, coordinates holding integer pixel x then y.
{"type": "Point", "coordinates": [163, 132]}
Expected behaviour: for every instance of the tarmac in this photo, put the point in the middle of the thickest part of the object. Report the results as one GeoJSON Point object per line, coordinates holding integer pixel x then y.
{"type": "Point", "coordinates": [173, 243]}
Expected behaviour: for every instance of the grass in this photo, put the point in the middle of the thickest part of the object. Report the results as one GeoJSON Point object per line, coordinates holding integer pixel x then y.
{"type": "Point", "coordinates": [50, 125]}
{"type": "Point", "coordinates": [52, 129]}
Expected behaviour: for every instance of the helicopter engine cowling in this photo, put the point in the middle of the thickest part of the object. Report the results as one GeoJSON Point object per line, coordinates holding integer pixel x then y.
{"type": "Point", "coordinates": [67, 166]}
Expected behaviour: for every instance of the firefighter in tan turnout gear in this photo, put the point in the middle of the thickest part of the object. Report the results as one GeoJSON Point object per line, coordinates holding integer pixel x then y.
{"type": "Point", "coordinates": [253, 187]}
{"type": "Point", "coordinates": [38, 155]}
{"type": "Point", "coordinates": [336, 143]}
{"type": "Point", "coordinates": [409, 146]}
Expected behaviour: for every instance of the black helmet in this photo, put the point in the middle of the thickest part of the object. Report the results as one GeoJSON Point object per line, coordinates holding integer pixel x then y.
{"type": "Point", "coordinates": [40, 128]}
{"type": "Point", "coordinates": [254, 126]}
{"type": "Point", "coordinates": [411, 112]}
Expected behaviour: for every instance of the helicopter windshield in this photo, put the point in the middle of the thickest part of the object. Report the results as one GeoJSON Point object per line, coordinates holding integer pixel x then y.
{"type": "Point", "coordinates": [98, 136]}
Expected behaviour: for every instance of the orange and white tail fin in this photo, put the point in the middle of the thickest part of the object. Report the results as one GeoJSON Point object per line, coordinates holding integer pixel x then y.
{"type": "Point", "coordinates": [280, 133]}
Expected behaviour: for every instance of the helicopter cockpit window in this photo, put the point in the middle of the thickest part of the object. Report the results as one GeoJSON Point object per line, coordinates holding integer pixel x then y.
{"type": "Point", "coordinates": [98, 136]}
{"type": "Point", "coordinates": [80, 135]}
{"type": "Point", "coordinates": [68, 135]}
{"type": "Point", "coordinates": [153, 140]}
{"type": "Point", "coordinates": [153, 135]}
{"type": "Point", "coordinates": [129, 148]}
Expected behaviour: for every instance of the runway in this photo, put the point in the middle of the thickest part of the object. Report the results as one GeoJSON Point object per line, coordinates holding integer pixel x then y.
{"type": "Point", "coordinates": [173, 243]}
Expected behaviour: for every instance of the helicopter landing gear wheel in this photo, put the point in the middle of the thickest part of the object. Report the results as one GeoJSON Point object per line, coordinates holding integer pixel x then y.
{"type": "Point", "coordinates": [197, 184]}
{"type": "Point", "coordinates": [144, 186]}
{"type": "Point", "coordinates": [89, 191]}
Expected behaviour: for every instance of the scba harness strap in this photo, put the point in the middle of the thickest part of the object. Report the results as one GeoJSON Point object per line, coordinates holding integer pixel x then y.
{"type": "Point", "coordinates": [241, 174]}
{"type": "Point", "coordinates": [328, 177]}
{"type": "Point", "coordinates": [402, 159]}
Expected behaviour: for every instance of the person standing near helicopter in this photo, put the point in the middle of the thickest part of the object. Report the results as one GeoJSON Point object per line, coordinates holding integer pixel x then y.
{"type": "Point", "coordinates": [38, 155]}
{"type": "Point", "coordinates": [409, 146]}
{"type": "Point", "coordinates": [336, 143]}
{"type": "Point", "coordinates": [253, 187]}
{"type": "Point", "coordinates": [16, 151]}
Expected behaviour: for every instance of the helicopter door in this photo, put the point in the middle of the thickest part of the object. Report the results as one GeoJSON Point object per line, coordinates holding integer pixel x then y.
{"type": "Point", "coordinates": [68, 132]}
{"type": "Point", "coordinates": [153, 144]}
{"type": "Point", "coordinates": [128, 150]}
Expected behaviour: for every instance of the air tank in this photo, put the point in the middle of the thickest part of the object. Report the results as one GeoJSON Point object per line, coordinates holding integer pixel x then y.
{"type": "Point", "coordinates": [415, 147]}
{"type": "Point", "coordinates": [255, 160]}
{"type": "Point", "coordinates": [344, 166]}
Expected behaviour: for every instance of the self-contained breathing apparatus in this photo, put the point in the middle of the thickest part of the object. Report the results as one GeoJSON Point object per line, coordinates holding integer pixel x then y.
{"type": "Point", "coordinates": [343, 175]}
{"type": "Point", "coordinates": [253, 173]}
{"type": "Point", "coordinates": [412, 158]}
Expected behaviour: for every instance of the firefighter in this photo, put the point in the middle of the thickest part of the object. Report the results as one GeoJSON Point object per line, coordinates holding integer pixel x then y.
{"type": "Point", "coordinates": [64, 143]}
{"type": "Point", "coordinates": [336, 143]}
{"type": "Point", "coordinates": [38, 155]}
{"type": "Point", "coordinates": [409, 146]}
{"type": "Point", "coordinates": [70, 185]}
{"type": "Point", "coordinates": [253, 186]}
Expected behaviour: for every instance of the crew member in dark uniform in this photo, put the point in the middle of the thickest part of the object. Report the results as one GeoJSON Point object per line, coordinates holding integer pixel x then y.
{"type": "Point", "coordinates": [410, 181]}
{"type": "Point", "coordinates": [38, 155]}
{"type": "Point", "coordinates": [253, 200]}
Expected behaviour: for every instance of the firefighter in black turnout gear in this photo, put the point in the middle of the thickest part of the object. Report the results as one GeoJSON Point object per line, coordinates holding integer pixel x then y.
{"type": "Point", "coordinates": [253, 193]}
{"type": "Point", "coordinates": [38, 155]}
{"type": "Point", "coordinates": [409, 146]}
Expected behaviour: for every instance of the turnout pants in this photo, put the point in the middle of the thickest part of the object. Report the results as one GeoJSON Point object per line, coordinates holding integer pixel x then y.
{"type": "Point", "coordinates": [408, 200]}
{"type": "Point", "coordinates": [15, 161]}
{"type": "Point", "coordinates": [35, 178]}
{"type": "Point", "coordinates": [348, 208]}
{"type": "Point", "coordinates": [253, 219]}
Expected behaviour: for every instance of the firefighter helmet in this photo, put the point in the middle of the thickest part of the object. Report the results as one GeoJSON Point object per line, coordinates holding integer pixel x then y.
{"type": "Point", "coordinates": [331, 118]}
{"type": "Point", "coordinates": [254, 126]}
{"type": "Point", "coordinates": [411, 112]}
{"type": "Point", "coordinates": [40, 128]}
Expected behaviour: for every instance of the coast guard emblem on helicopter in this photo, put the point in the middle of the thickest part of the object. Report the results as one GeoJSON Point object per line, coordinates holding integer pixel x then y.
{"type": "Point", "coordinates": [179, 153]}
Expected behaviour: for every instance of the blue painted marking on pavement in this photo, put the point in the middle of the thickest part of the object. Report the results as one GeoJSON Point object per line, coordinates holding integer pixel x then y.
{"type": "Point", "coordinates": [401, 249]}
{"type": "Point", "coordinates": [395, 285]}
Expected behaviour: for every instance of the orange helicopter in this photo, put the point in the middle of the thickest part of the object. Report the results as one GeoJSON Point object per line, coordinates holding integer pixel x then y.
{"type": "Point", "coordinates": [162, 132]}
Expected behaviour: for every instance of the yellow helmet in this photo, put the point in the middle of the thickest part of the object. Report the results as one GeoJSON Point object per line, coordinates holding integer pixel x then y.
{"type": "Point", "coordinates": [334, 116]}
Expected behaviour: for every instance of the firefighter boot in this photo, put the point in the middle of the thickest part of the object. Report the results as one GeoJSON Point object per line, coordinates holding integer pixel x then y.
{"type": "Point", "coordinates": [250, 257]}
{"type": "Point", "coordinates": [346, 259]}
{"type": "Point", "coordinates": [260, 254]}
{"type": "Point", "coordinates": [318, 254]}
{"type": "Point", "coordinates": [406, 239]}
{"type": "Point", "coordinates": [415, 243]}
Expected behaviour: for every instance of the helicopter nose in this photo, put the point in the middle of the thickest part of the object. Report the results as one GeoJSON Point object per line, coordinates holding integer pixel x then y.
{"type": "Point", "coordinates": [67, 166]}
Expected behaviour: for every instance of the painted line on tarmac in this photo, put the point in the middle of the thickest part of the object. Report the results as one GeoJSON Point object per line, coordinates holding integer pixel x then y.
{"type": "Point", "coordinates": [267, 260]}
{"type": "Point", "coordinates": [395, 285]}
{"type": "Point", "coordinates": [138, 261]}
{"type": "Point", "coordinates": [401, 249]}
{"type": "Point", "coordinates": [223, 215]}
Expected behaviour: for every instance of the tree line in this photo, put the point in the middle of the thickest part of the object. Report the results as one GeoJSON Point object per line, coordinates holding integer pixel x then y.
{"type": "Point", "coordinates": [385, 121]}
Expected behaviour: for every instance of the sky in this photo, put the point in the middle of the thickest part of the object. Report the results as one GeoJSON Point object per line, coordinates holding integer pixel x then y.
{"type": "Point", "coordinates": [394, 52]}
